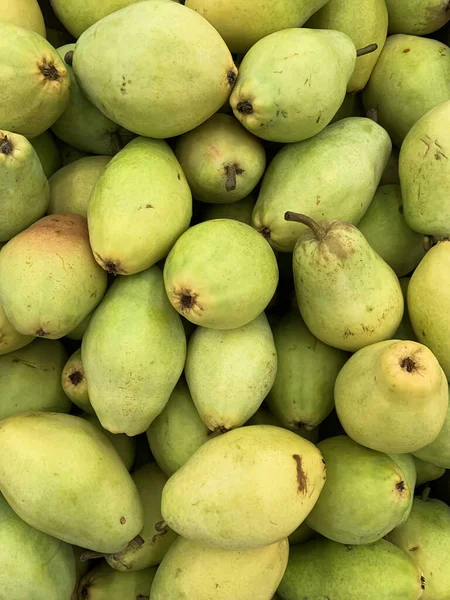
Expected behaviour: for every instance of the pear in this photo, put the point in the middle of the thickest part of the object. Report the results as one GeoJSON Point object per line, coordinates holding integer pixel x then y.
{"type": "Point", "coordinates": [71, 186]}
{"type": "Point", "coordinates": [302, 534]}
{"type": "Point", "coordinates": [352, 153]}
{"type": "Point", "coordinates": [425, 537]}
{"type": "Point", "coordinates": [124, 445]}
{"type": "Point", "coordinates": [35, 566]}
{"type": "Point", "coordinates": [150, 481]}
{"type": "Point", "coordinates": [93, 503]}
{"type": "Point", "coordinates": [391, 175]}
{"type": "Point", "coordinates": [81, 567]}
{"type": "Point", "coordinates": [223, 496]}
{"type": "Point", "coordinates": [49, 280]}
{"type": "Point", "coordinates": [69, 154]}
{"type": "Point", "coordinates": [438, 451]}
{"type": "Point", "coordinates": [411, 77]}
{"type": "Point", "coordinates": [178, 431]}
{"type": "Point", "coordinates": [221, 160]}
{"type": "Point", "coordinates": [417, 17]}
{"type": "Point", "coordinates": [263, 416]}
{"type": "Point", "coordinates": [407, 466]}
{"type": "Point", "coordinates": [35, 83]}
{"type": "Point", "coordinates": [347, 295]}
{"type": "Point", "coordinates": [264, 98]}
{"type": "Point", "coordinates": [31, 379]}
{"type": "Point", "coordinates": [240, 211]}
{"type": "Point", "coordinates": [80, 330]}
{"type": "Point", "coordinates": [194, 570]}
{"type": "Point", "coordinates": [350, 107]}
{"type": "Point", "coordinates": [365, 496]}
{"type": "Point", "coordinates": [385, 228]}
{"type": "Point", "coordinates": [48, 153]}
{"type": "Point", "coordinates": [230, 372]}
{"type": "Point", "coordinates": [25, 190]}
{"type": "Point", "coordinates": [428, 312]}
{"type": "Point", "coordinates": [105, 583]}
{"type": "Point", "coordinates": [221, 274]}
{"type": "Point", "coordinates": [10, 339]}
{"type": "Point", "coordinates": [373, 571]}
{"type": "Point", "coordinates": [302, 394]}
{"type": "Point", "coordinates": [74, 384]}
{"type": "Point", "coordinates": [392, 396]}
{"type": "Point", "coordinates": [24, 13]}
{"type": "Point", "coordinates": [167, 72]}
{"type": "Point", "coordinates": [425, 174]}
{"type": "Point", "coordinates": [365, 23]}
{"type": "Point", "coordinates": [138, 208]}
{"type": "Point", "coordinates": [405, 330]}
{"type": "Point", "coordinates": [426, 471]}
{"type": "Point", "coordinates": [133, 353]}
{"type": "Point", "coordinates": [82, 125]}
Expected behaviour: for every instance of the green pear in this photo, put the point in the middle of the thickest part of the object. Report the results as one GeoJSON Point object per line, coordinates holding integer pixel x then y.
{"type": "Point", "coordinates": [79, 331]}
{"type": "Point", "coordinates": [24, 13]}
{"type": "Point", "coordinates": [62, 476]}
{"type": "Point", "coordinates": [428, 311]}
{"type": "Point", "coordinates": [365, 23]}
{"type": "Point", "coordinates": [352, 153]}
{"type": "Point", "coordinates": [194, 570]}
{"type": "Point", "coordinates": [133, 353]}
{"type": "Point", "coordinates": [71, 186]}
{"type": "Point", "coordinates": [243, 23]}
{"type": "Point", "coordinates": [105, 583]}
{"type": "Point", "coordinates": [392, 396]}
{"type": "Point", "coordinates": [390, 175]}
{"type": "Point", "coordinates": [438, 451]}
{"type": "Point", "coordinates": [178, 431]}
{"type": "Point", "coordinates": [240, 211]}
{"type": "Point", "coordinates": [82, 125]}
{"type": "Point", "coordinates": [425, 537]}
{"type": "Point", "coordinates": [223, 495]}
{"type": "Point", "coordinates": [31, 379]}
{"type": "Point", "coordinates": [221, 274]}
{"type": "Point", "coordinates": [10, 339]}
{"type": "Point", "coordinates": [426, 471]}
{"type": "Point", "coordinates": [35, 82]}
{"type": "Point", "coordinates": [411, 77]}
{"type": "Point", "coordinates": [124, 445]}
{"type": "Point", "coordinates": [365, 495]}
{"type": "Point", "coordinates": [302, 534]}
{"type": "Point", "coordinates": [49, 280]}
{"type": "Point", "coordinates": [48, 153]}
{"type": "Point", "coordinates": [302, 394]}
{"type": "Point", "coordinates": [264, 98]}
{"type": "Point", "coordinates": [263, 416]}
{"type": "Point", "coordinates": [407, 466]}
{"type": "Point", "coordinates": [189, 71]}
{"type": "Point", "coordinates": [69, 154]}
{"type": "Point", "coordinates": [222, 162]}
{"type": "Point", "coordinates": [321, 568]}
{"type": "Point", "coordinates": [347, 295]}
{"type": "Point", "coordinates": [425, 174]}
{"type": "Point", "coordinates": [25, 190]}
{"type": "Point", "coordinates": [74, 384]}
{"type": "Point", "coordinates": [35, 566]}
{"type": "Point", "coordinates": [405, 330]}
{"type": "Point", "coordinates": [150, 481]}
{"type": "Point", "coordinates": [138, 208]}
{"type": "Point", "coordinates": [230, 372]}
{"type": "Point", "coordinates": [417, 17]}
{"type": "Point", "coordinates": [385, 228]}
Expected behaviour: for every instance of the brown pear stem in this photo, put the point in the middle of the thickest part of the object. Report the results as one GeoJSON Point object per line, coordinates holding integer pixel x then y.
{"type": "Point", "coordinates": [68, 58]}
{"type": "Point", "coordinates": [426, 493]}
{"type": "Point", "coordinates": [88, 555]}
{"type": "Point", "coordinates": [317, 229]}
{"type": "Point", "coordinates": [161, 526]}
{"type": "Point", "coordinates": [230, 182]}
{"type": "Point", "coordinates": [367, 50]}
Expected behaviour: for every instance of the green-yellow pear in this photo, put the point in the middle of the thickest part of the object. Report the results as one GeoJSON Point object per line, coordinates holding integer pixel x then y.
{"type": "Point", "coordinates": [24, 13]}
{"type": "Point", "coordinates": [81, 567]}
{"type": "Point", "coordinates": [365, 495]}
{"type": "Point", "coordinates": [73, 381]}
{"type": "Point", "coordinates": [425, 172]}
{"type": "Point", "coordinates": [438, 451]}
{"type": "Point", "coordinates": [133, 353]}
{"type": "Point", "coordinates": [194, 570]}
{"type": "Point", "coordinates": [411, 77]}
{"type": "Point", "coordinates": [417, 17]}
{"type": "Point", "coordinates": [428, 311]}
{"type": "Point", "coordinates": [405, 330]}
{"type": "Point", "coordinates": [303, 533]}
{"type": "Point", "coordinates": [221, 274]}
{"type": "Point", "coordinates": [105, 583]}
{"type": "Point", "coordinates": [334, 175]}
{"type": "Point", "coordinates": [223, 496]}
{"type": "Point", "coordinates": [390, 175]}
{"type": "Point", "coordinates": [322, 568]}
{"type": "Point", "coordinates": [79, 331]}
{"type": "Point", "coordinates": [425, 538]}
{"type": "Point", "coordinates": [347, 295]}
{"type": "Point", "coordinates": [10, 339]}
{"type": "Point", "coordinates": [124, 445]}
{"type": "Point", "coordinates": [240, 211]}
{"type": "Point", "coordinates": [392, 396]}
{"type": "Point", "coordinates": [92, 503]}
{"type": "Point", "coordinates": [49, 280]}
{"type": "Point", "coordinates": [426, 471]}
{"type": "Point", "coordinates": [48, 153]}
{"type": "Point", "coordinates": [365, 23]}
{"type": "Point", "coordinates": [302, 393]}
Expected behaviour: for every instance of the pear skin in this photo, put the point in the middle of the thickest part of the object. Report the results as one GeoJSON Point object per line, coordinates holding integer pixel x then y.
{"type": "Point", "coordinates": [426, 471]}
{"type": "Point", "coordinates": [405, 330]}
{"type": "Point", "coordinates": [240, 211]}
{"type": "Point", "coordinates": [417, 17]}
{"type": "Point", "coordinates": [124, 444]}
{"type": "Point", "coordinates": [74, 384]}
{"type": "Point", "coordinates": [24, 13]}
{"type": "Point", "coordinates": [10, 339]}
{"type": "Point", "coordinates": [438, 451]}
{"type": "Point", "coordinates": [48, 153]}
{"type": "Point", "coordinates": [105, 583]}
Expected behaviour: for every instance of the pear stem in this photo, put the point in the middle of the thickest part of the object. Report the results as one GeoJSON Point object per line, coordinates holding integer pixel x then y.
{"type": "Point", "coordinates": [317, 229]}
{"type": "Point", "coordinates": [88, 555]}
{"type": "Point", "coordinates": [367, 50]}
{"type": "Point", "coordinates": [426, 493]}
{"type": "Point", "coordinates": [230, 183]}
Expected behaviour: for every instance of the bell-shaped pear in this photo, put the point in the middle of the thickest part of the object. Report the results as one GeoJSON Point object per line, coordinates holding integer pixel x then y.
{"type": "Point", "coordinates": [438, 451]}
{"type": "Point", "coordinates": [417, 17]}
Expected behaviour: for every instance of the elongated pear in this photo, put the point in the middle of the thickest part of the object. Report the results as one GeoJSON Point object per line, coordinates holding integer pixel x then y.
{"type": "Point", "coordinates": [105, 583]}
{"type": "Point", "coordinates": [221, 496]}
{"type": "Point", "coordinates": [104, 512]}
{"type": "Point", "coordinates": [74, 384]}
{"type": "Point", "coordinates": [347, 295]}
{"type": "Point", "coordinates": [352, 152]}
{"type": "Point", "coordinates": [133, 353]}
{"type": "Point", "coordinates": [417, 17]}
{"type": "Point", "coordinates": [392, 396]}
{"type": "Point", "coordinates": [438, 451]}
{"type": "Point", "coordinates": [10, 339]}
{"type": "Point", "coordinates": [201, 572]}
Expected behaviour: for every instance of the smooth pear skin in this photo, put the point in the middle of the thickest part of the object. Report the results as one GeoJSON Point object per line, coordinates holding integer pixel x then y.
{"type": "Point", "coordinates": [221, 496]}
{"type": "Point", "coordinates": [48, 152]}
{"type": "Point", "coordinates": [392, 396]}
{"type": "Point", "coordinates": [104, 583]}
{"type": "Point", "coordinates": [10, 339]}
{"type": "Point", "coordinates": [24, 13]}
{"type": "Point", "coordinates": [417, 17]}
{"type": "Point", "coordinates": [104, 512]}
{"type": "Point", "coordinates": [405, 330]}
{"type": "Point", "coordinates": [125, 446]}
{"type": "Point", "coordinates": [74, 383]}
{"type": "Point", "coordinates": [240, 211]}
{"type": "Point", "coordinates": [438, 451]}
{"type": "Point", "coordinates": [426, 471]}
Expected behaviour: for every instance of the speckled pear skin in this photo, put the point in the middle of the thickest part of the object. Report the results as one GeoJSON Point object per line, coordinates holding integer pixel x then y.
{"type": "Point", "coordinates": [104, 583]}
{"type": "Point", "coordinates": [417, 17]}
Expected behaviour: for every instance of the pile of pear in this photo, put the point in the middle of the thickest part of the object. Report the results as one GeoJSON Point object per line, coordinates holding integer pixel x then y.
{"type": "Point", "coordinates": [224, 300]}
